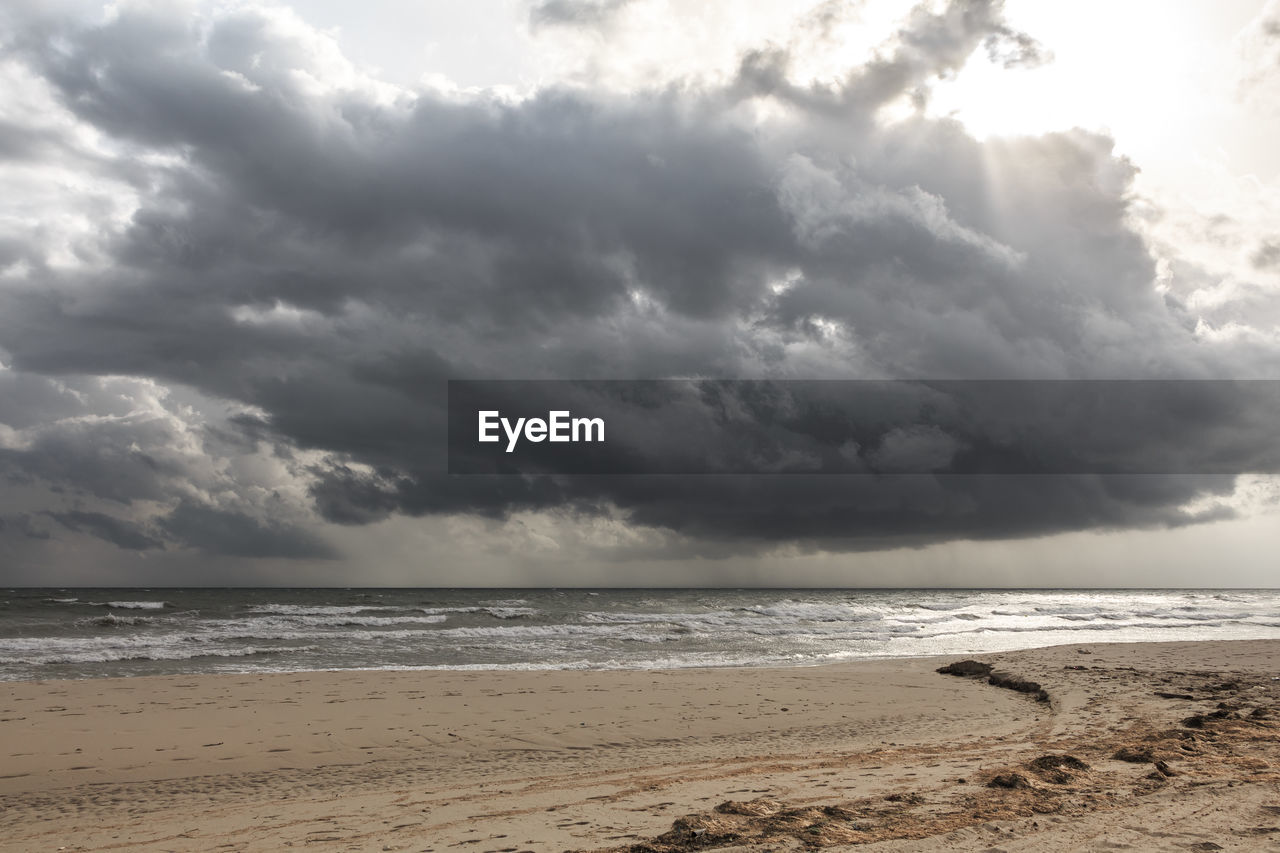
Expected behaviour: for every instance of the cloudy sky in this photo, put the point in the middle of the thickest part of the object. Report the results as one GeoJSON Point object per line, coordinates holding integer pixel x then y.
{"type": "Point", "coordinates": [243, 245]}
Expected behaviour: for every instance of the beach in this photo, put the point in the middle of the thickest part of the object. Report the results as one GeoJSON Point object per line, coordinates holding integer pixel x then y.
{"type": "Point", "coordinates": [639, 426]}
{"type": "Point", "coordinates": [887, 754]}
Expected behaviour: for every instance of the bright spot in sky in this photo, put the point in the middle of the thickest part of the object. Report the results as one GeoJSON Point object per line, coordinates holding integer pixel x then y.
{"type": "Point", "coordinates": [1155, 75]}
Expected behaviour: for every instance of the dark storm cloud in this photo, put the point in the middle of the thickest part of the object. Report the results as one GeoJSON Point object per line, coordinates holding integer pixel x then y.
{"type": "Point", "coordinates": [234, 534]}
{"type": "Point", "coordinates": [26, 525]}
{"type": "Point", "coordinates": [119, 533]}
{"type": "Point", "coordinates": [329, 253]}
{"type": "Point", "coordinates": [211, 531]}
{"type": "Point", "coordinates": [124, 446]}
{"type": "Point", "coordinates": [29, 528]}
{"type": "Point", "coordinates": [740, 513]}
{"type": "Point", "coordinates": [98, 460]}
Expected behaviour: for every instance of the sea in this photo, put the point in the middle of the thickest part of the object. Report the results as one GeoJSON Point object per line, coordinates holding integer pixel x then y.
{"type": "Point", "coordinates": [94, 633]}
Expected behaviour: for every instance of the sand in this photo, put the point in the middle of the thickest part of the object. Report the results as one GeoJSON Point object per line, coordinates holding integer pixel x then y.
{"type": "Point", "coordinates": [878, 755]}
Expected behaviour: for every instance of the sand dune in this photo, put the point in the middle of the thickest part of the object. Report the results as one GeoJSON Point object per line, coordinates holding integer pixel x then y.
{"type": "Point", "coordinates": [1170, 746]}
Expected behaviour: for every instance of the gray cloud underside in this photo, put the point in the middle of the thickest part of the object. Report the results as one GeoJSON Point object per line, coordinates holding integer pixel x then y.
{"type": "Point", "coordinates": [328, 257]}
{"type": "Point", "coordinates": [574, 13]}
{"type": "Point", "coordinates": [119, 533]}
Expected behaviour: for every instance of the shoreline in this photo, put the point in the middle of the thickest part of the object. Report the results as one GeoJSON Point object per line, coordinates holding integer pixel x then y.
{"type": "Point", "coordinates": [520, 668]}
{"type": "Point", "coordinates": [259, 761]}
{"type": "Point", "coordinates": [501, 669]}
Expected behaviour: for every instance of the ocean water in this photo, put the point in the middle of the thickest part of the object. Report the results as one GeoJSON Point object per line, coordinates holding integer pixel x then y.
{"type": "Point", "coordinates": [85, 633]}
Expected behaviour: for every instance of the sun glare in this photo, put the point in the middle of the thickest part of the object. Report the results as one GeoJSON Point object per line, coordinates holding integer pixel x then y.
{"type": "Point", "coordinates": [1132, 68]}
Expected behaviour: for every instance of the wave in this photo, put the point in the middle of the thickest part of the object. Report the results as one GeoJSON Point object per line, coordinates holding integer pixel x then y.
{"type": "Point", "coordinates": [366, 611]}
{"type": "Point", "coordinates": [131, 605]}
{"type": "Point", "coordinates": [242, 631]}
{"type": "Point", "coordinates": [334, 620]}
{"type": "Point", "coordinates": [775, 620]}
{"type": "Point", "coordinates": [815, 611]}
{"type": "Point", "coordinates": [527, 631]}
{"type": "Point", "coordinates": [322, 609]}
{"type": "Point", "coordinates": [713, 618]}
{"type": "Point", "coordinates": [510, 612]}
{"type": "Point", "coordinates": [714, 660]}
{"type": "Point", "coordinates": [112, 620]}
{"type": "Point", "coordinates": [496, 612]}
{"type": "Point", "coordinates": [158, 654]}
{"type": "Point", "coordinates": [1076, 627]}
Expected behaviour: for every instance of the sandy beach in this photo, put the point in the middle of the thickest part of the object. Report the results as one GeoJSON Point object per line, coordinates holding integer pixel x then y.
{"type": "Point", "coordinates": [1168, 746]}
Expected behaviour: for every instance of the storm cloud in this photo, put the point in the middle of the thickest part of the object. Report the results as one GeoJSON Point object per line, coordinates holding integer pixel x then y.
{"type": "Point", "coordinates": [295, 257]}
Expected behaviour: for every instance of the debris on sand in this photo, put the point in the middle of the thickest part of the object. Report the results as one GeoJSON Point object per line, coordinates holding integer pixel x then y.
{"type": "Point", "coordinates": [751, 808]}
{"type": "Point", "coordinates": [1226, 741]}
{"type": "Point", "coordinates": [999, 678]}
{"type": "Point", "coordinates": [1012, 781]}
{"type": "Point", "coordinates": [1009, 681]}
{"type": "Point", "coordinates": [967, 668]}
{"type": "Point", "coordinates": [693, 832]}
{"type": "Point", "coordinates": [1054, 768]}
{"type": "Point", "coordinates": [1056, 762]}
{"type": "Point", "coordinates": [741, 823]}
{"type": "Point", "coordinates": [1134, 754]}
{"type": "Point", "coordinates": [1198, 721]}
{"type": "Point", "coordinates": [839, 813]}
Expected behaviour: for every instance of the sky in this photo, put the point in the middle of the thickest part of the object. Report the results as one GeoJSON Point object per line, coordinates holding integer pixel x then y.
{"type": "Point", "coordinates": [244, 245]}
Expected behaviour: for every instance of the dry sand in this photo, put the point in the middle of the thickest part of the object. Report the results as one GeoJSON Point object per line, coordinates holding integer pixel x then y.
{"type": "Point", "coordinates": [884, 755]}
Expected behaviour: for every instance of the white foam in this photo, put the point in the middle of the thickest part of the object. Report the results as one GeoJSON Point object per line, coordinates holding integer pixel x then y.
{"type": "Point", "coordinates": [509, 612]}
{"type": "Point", "coordinates": [335, 620]}
{"type": "Point", "coordinates": [102, 649]}
{"type": "Point", "coordinates": [816, 611]}
{"type": "Point", "coordinates": [114, 655]}
{"type": "Point", "coordinates": [112, 620]}
{"type": "Point", "coordinates": [528, 631]}
{"type": "Point", "coordinates": [495, 612]}
{"type": "Point", "coordinates": [318, 609]}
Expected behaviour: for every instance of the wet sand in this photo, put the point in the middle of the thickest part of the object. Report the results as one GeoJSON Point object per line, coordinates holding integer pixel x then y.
{"type": "Point", "coordinates": [881, 755]}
